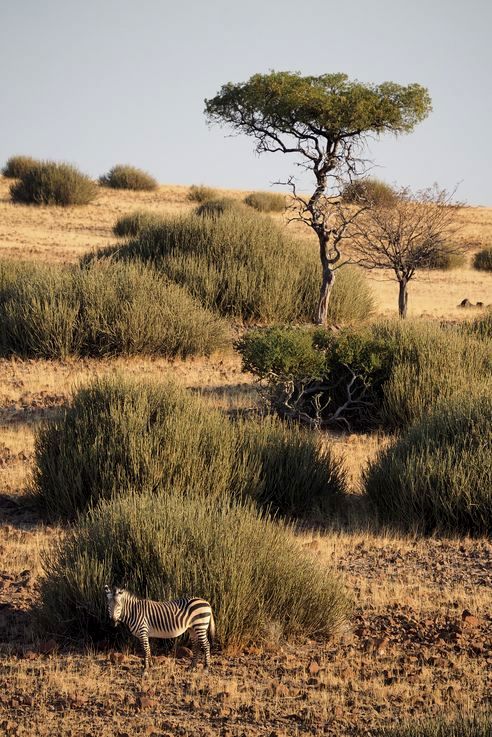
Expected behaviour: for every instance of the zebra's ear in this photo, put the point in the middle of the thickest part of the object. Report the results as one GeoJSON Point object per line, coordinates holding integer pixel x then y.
{"type": "Point", "coordinates": [107, 591]}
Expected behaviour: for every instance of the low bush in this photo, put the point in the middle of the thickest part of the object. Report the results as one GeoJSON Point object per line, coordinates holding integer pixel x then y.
{"type": "Point", "coordinates": [105, 309]}
{"type": "Point", "coordinates": [50, 183]}
{"type": "Point", "coordinates": [131, 225]}
{"type": "Point", "coordinates": [478, 725]}
{"type": "Point", "coordinates": [124, 176]}
{"type": "Point", "coordinates": [447, 259]}
{"type": "Point", "coordinates": [483, 260]}
{"type": "Point", "coordinates": [386, 375]}
{"type": "Point", "coordinates": [201, 193]}
{"type": "Point", "coordinates": [17, 166]}
{"type": "Point", "coordinates": [481, 326]}
{"type": "Point", "coordinates": [215, 208]}
{"type": "Point", "coordinates": [120, 436]}
{"type": "Point", "coordinates": [370, 191]}
{"type": "Point", "coordinates": [438, 476]}
{"type": "Point", "coordinates": [250, 568]}
{"type": "Point", "coordinates": [266, 201]}
{"type": "Point", "coordinates": [245, 266]}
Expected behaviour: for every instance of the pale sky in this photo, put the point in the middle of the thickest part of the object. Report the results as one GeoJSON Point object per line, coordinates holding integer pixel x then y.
{"type": "Point", "coordinates": [105, 82]}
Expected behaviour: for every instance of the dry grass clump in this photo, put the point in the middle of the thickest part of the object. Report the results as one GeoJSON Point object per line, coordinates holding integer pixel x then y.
{"type": "Point", "coordinates": [106, 309]}
{"type": "Point", "coordinates": [119, 436]}
{"type": "Point", "coordinates": [217, 207]}
{"type": "Point", "coordinates": [447, 259]}
{"type": "Point", "coordinates": [124, 176]}
{"type": "Point", "coordinates": [201, 193]}
{"type": "Point", "coordinates": [370, 191]}
{"type": "Point", "coordinates": [479, 725]}
{"type": "Point", "coordinates": [244, 265]}
{"type": "Point", "coordinates": [132, 224]}
{"type": "Point", "coordinates": [169, 545]}
{"type": "Point", "coordinates": [51, 183]}
{"type": "Point", "coordinates": [17, 166]}
{"type": "Point", "coordinates": [438, 476]}
{"type": "Point", "coordinates": [483, 260]}
{"type": "Point", "coordinates": [481, 326]}
{"type": "Point", "coordinates": [265, 201]}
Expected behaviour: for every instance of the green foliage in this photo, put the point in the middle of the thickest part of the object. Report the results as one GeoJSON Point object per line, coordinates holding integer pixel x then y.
{"type": "Point", "coordinates": [124, 176]}
{"type": "Point", "coordinates": [201, 193]}
{"type": "Point", "coordinates": [245, 266]}
{"type": "Point", "coordinates": [120, 435]}
{"type": "Point", "coordinates": [168, 545]}
{"type": "Point", "coordinates": [287, 101]}
{"type": "Point", "coordinates": [131, 225]}
{"type": "Point", "coordinates": [396, 372]}
{"type": "Point", "coordinates": [483, 260]}
{"type": "Point", "coordinates": [439, 475]}
{"type": "Point", "coordinates": [106, 309]}
{"type": "Point", "coordinates": [217, 207]}
{"type": "Point", "coordinates": [266, 201]}
{"type": "Point", "coordinates": [50, 183]}
{"type": "Point", "coordinates": [371, 191]}
{"type": "Point", "coordinates": [479, 725]}
{"type": "Point", "coordinates": [17, 166]}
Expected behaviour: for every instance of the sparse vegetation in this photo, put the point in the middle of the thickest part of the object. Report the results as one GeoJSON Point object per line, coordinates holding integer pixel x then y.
{"type": "Point", "coordinates": [50, 183]}
{"type": "Point", "coordinates": [17, 166]}
{"type": "Point", "coordinates": [266, 201]}
{"type": "Point", "coordinates": [245, 266]}
{"type": "Point", "coordinates": [447, 259]}
{"type": "Point", "coordinates": [483, 260]}
{"type": "Point", "coordinates": [481, 326]}
{"type": "Point", "coordinates": [131, 225]}
{"type": "Point", "coordinates": [168, 544]}
{"type": "Point", "coordinates": [369, 191]}
{"type": "Point", "coordinates": [124, 176]}
{"type": "Point", "coordinates": [479, 725]}
{"type": "Point", "coordinates": [120, 436]}
{"type": "Point", "coordinates": [200, 193]}
{"type": "Point", "coordinates": [438, 476]}
{"type": "Point", "coordinates": [105, 309]}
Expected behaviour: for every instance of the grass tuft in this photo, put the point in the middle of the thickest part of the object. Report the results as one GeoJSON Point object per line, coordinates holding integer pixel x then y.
{"type": "Point", "coordinates": [124, 176]}
{"type": "Point", "coordinates": [51, 183]}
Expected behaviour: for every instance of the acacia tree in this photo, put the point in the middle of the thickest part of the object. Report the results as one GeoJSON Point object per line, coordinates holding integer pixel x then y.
{"type": "Point", "coordinates": [325, 121]}
{"type": "Point", "coordinates": [411, 234]}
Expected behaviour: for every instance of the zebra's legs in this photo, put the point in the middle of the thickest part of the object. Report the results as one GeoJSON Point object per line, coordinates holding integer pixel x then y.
{"type": "Point", "coordinates": [144, 639]}
{"type": "Point", "coordinates": [195, 646]}
{"type": "Point", "coordinates": [200, 642]}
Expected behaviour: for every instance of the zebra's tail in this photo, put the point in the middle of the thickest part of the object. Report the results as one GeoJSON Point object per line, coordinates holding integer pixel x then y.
{"type": "Point", "coordinates": [211, 628]}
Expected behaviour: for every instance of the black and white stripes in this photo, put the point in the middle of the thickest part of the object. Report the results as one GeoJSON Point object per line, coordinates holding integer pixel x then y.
{"type": "Point", "coordinates": [165, 619]}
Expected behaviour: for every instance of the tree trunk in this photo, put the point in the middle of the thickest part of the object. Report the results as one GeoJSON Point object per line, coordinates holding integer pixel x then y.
{"type": "Point", "coordinates": [403, 298]}
{"type": "Point", "coordinates": [327, 281]}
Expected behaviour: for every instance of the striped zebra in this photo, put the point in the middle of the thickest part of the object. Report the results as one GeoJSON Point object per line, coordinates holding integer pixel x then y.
{"type": "Point", "coordinates": [165, 619]}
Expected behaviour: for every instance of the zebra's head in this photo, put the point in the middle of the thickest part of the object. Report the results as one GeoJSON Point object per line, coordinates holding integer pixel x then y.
{"type": "Point", "coordinates": [115, 599]}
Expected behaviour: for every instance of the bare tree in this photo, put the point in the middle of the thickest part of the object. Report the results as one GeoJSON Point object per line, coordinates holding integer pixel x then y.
{"type": "Point", "coordinates": [409, 235]}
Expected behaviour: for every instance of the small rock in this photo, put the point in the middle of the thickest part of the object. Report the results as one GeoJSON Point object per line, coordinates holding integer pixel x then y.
{"type": "Point", "coordinates": [116, 657]}
{"type": "Point", "coordinates": [469, 620]}
{"type": "Point", "coordinates": [465, 303]}
{"type": "Point", "coordinates": [145, 702]}
{"type": "Point", "coordinates": [313, 668]}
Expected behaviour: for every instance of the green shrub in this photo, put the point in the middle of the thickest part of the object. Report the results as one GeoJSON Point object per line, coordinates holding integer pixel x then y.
{"type": "Point", "coordinates": [245, 266]}
{"type": "Point", "coordinates": [17, 166]}
{"type": "Point", "coordinates": [251, 569]}
{"type": "Point", "coordinates": [479, 725]}
{"type": "Point", "coordinates": [121, 435]}
{"type": "Point", "coordinates": [50, 183]}
{"type": "Point", "coordinates": [266, 201]}
{"type": "Point", "coordinates": [124, 176]}
{"type": "Point", "coordinates": [439, 475]}
{"type": "Point", "coordinates": [386, 375]}
{"type": "Point", "coordinates": [215, 208]}
{"type": "Point", "coordinates": [106, 309]}
{"type": "Point", "coordinates": [131, 225]}
{"type": "Point", "coordinates": [201, 193]}
{"type": "Point", "coordinates": [447, 259]}
{"type": "Point", "coordinates": [372, 191]}
{"type": "Point", "coordinates": [483, 260]}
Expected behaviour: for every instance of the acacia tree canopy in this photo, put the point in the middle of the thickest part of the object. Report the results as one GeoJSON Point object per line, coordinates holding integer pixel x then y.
{"type": "Point", "coordinates": [325, 121]}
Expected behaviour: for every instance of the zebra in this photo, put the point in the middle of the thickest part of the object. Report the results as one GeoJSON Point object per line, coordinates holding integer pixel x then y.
{"type": "Point", "coordinates": [165, 619]}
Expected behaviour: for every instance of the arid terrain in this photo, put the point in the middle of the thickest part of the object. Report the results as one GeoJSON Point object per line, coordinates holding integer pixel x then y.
{"type": "Point", "coordinates": [420, 638]}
